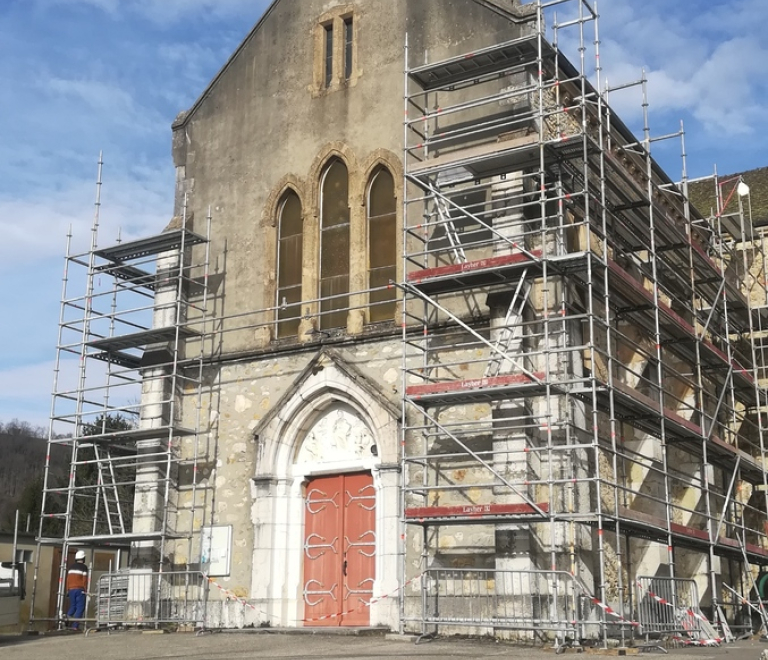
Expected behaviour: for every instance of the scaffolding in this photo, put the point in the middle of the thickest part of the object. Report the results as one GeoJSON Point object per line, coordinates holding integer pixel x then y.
{"type": "Point", "coordinates": [131, 337]}
{"type": "Point", "coordinates": [585, 355]}
{"type": "Point", "coordinates": [583, 393]}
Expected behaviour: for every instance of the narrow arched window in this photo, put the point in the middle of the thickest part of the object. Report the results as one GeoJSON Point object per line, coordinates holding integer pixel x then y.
{"type": "Point", "coordinates": [334, 246]}
{"type": "Point", "coordinates": [382, 245]}
{"type": "Point", "coordinates": [289, 264]}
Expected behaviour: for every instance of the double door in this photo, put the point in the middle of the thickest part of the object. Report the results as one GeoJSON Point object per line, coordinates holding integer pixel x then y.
{"type": "Point", "coordinates": [339, 550]}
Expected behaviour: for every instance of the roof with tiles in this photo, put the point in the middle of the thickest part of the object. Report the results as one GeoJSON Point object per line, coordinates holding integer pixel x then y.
{"type": "Point", "coordinates": [702, 194]}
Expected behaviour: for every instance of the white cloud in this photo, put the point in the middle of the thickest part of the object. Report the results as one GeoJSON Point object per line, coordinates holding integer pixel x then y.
{"type": "Point", "coordinates": [104, 99]}
{"type": "Point", "coordinates": [35, 228]}
{"type": "Point", "coordinates": [732, 18]}
{"type": "Point", "coordinates": [26, 381]}
{"type": "Point", "coordinates": [82, 76]}
{"type": "Point", "coordinates": [728, 97]}
{"type": "Point", "coordinates": [169, 10]}
{"type": "Point", "coordinates": [26, 391]}
{"type": "Point", "coordinates": [85, 75]}
{"type": "Point", "coordinates": [173, 9]}
{"type": "Point", "coordinates": [703, 62]}
{"type": "Point", "coordinates": [110, 6]}
{"type": "Point", "coordinates": [193, 68]}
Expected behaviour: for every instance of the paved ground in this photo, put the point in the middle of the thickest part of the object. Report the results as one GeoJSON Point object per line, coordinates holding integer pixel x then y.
{"type": "Point", "coordinates": [229, 646]}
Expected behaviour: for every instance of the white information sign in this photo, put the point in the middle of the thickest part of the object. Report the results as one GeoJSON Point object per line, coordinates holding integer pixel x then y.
{"type": "Point", "coordinates": [217, 550]}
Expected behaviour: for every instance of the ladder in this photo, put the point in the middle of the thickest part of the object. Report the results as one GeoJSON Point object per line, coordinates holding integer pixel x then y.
{"type": "Point", "coordinates": [720, 616]}
{"type": "Point", "coordinates": [446, 221]}
{"type": "Point", "coordinates": [511, 332]}
{"type": "Point", "coordinates": [444, 208]}
{"type": "Point", "coordinates": [108, 492]}
{"type": "Point", "coordinates": [702, 630]}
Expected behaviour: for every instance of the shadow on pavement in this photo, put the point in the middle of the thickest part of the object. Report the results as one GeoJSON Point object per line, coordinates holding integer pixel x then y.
{"type": "Point", "coordinates": [17, 639]}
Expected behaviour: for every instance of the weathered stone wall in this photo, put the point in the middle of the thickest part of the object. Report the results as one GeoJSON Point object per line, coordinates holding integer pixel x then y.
{"type": "Point", "coordinates": [243, 393]}
{"type": "Point", "coordinates": [262, 125]}
{"type": "Point", "coordinates": [268, 123]}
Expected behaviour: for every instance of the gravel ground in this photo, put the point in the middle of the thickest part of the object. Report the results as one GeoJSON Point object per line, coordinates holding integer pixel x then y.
{"type": "Point", "coordinates": [233, 646]}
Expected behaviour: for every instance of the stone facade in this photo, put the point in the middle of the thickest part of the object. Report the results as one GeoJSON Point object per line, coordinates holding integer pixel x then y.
{"type": "Point", "coordinates": [285, 410]}
{"type": "Point", "coordinates": [316, 84]}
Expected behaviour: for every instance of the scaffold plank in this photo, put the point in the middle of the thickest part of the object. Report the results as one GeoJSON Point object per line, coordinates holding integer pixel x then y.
{"type": "Point", "coordinates": [120, 358]}
{"type": "Point", "coordinates": [675, 327]}
{"type": "Point", "coordinates": [676, 425]}
{"type": "Point", "coordinates": [135, 435]}
{"type": "Point", "coordinates": [120, 540]}
{"type": "Point", "coordinates": [668, 234]}
{"type": "Point", "coordinates": [146, 247]}
{"type": "Point", "coordinates": [645, 414]}
{"type": "Point", "coordinates": [137, 277]}
{"type": "Point", "coordinates": [499, 155]}
{"type": "Point", "coordinates": [478, 273]}
{"type": "Point", "coordinates": [484, 61]}
{"type": "Point", "coordinates": [143, 338]}
{"type": "Point", "coordinates": [474, 512]}
{"type": "Point", "coordinates": [488, 388]}
{"type": "Point", "coordinates": [686, 535]}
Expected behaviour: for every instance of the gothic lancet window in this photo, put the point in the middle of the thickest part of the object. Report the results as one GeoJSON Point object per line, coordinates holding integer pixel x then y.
{"type": "Point", "coordinates": [289, 265]}
{"type": "Point", "coordinates": [334, 246]}
{"type": "Point", "coordinates": [382, 245]}
{"type": "Point", "coordinates": [328, 50]}
{"type": "Point", "coordinates": [349, 43]}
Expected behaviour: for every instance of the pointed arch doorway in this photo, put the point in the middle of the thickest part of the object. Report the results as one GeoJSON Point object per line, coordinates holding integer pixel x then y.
{"type": "Point", "coordinates": [339, 549]}
{"type": "Point", "coordinates": [334, 423]}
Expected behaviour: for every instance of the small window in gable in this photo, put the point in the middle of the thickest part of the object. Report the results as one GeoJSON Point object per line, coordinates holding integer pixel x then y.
{"type": "Point", "coordinates": [335, 64]}
{"type": "Point", "coordinates": [289, 265]}
{"type": "Point", "coordinates": [334, 246]}
{"type": "Point", "coordinates": [349, 42]}
{"type": "Point", "coordinates": [328, 70]}
{"type": "Point", "coordinates": [382, 245]}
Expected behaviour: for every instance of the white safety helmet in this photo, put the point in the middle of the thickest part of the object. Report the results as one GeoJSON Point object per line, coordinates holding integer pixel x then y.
{"type": "Point", "coordinates": [80, 554]}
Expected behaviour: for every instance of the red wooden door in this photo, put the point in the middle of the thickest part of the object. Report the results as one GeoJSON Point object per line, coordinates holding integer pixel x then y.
{"type": "Point", "coordinates": [339, 549]}
{"type": "Point", "coordinates": [359, 544]}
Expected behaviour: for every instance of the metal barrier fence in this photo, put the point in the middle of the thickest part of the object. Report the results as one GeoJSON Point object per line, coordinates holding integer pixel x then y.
{"type": "Point", "coordinates": [670, 607]}
{"type": "Point", "coordinates": [149, 598]}
{"type": "Point", "coordinates": [551, 605]}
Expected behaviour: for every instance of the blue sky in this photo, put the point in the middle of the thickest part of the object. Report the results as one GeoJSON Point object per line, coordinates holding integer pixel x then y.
{"type": "Point", "coordinates": [82, 76]}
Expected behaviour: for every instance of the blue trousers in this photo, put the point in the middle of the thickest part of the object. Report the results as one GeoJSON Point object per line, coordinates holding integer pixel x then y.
{"type": "Point", "coordinates": [76, 605]}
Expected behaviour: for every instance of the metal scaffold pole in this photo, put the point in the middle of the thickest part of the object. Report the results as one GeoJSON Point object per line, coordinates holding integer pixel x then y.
{"type": "Point", "coordinates": [126, 439]}
{"type": "Point", "coordinates": [597, 392]}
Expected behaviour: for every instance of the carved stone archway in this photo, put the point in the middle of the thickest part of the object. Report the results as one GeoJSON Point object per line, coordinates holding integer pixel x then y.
{"type": "Point", "coordinates": [328, 422]}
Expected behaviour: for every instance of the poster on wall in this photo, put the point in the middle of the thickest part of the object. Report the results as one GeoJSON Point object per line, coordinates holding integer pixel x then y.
{"type": "Point", "coordinates": [217, 550]}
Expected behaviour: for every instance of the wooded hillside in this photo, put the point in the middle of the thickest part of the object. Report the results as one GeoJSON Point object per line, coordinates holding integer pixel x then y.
{"type": "Point", "coordinates": [22, 462]}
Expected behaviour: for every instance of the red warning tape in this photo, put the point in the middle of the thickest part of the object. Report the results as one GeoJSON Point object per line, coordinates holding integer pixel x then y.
{"type": "Point", "coordinates": [698, 642]}
{"type": "Point", "coordinates": [231, 596]}
{"type": "Point", "coordinates": [373, 601]}
{"type": "Point", "coordinates": [609, 610]}
{"type": "Point", "coordinates": [595, 601]}
{"type": "Point", "coordinates": [690, 642]}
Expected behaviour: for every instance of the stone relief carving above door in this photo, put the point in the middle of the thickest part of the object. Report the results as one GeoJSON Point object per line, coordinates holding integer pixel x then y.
{"type": "Point", "coordinates": [337, 435]}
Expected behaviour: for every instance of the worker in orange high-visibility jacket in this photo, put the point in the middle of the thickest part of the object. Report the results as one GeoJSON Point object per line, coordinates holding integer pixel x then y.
{"type": "Point", "coordinates": [77, 585]}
